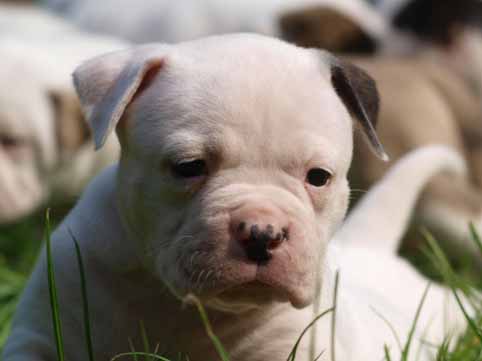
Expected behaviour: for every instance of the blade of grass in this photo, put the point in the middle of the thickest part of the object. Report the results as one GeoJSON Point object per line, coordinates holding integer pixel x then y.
{"type": "Point", "coordinates": [145, 340]}
{"type": "Point", "coordinates": [475, 236]}
{"type": "Point", "coordinates": [386, 351]}
{"type": "Point", "coordinates": [422, 339]}
{"type": "Point", "coordinates": [448, 274]}
{"type": "Point", "coordinates": [133, 350]}
{"type": "Point", "coordinates": [406, 349]}
{"type": "Point", "coordinates": [192, 299]}
{"type": "Point", "coordinates": [333, 316]}
{"type": "Point", "coordinates": [471, 322]}
{"type": "Point", "coordinates": [450, 277]}
{"type": "Point", "coordinates": [479, 357]}
{"type": "Point", "coordinates": [316, 308]}
{"type": "Point", "coordinates": [390, 326]}
{"type": "Point", "coordinates": [12, 277]}
{"type": "Point", "coordinates": [54, 303]}
{"type": "Point", "coordinates": [292, 354]}
{"type": "Point", "coordinates": [443, 351]}
{"type": "Point", "coordinates": [319, 355]}
{"type": "Point", "coordinates": [6, 312]}
{"type": "Point", "coordinates": [182, 357]}
{"type": "Point", "coordinates": [85, 300]}
{"type": "Point", "coordinates": [294, 350]}
{"type": "Point", "coordinates": [207, 325]}
{"type": "Point", "coordinates": [438, 258]}
{"type": "Point", "coordinates": [135, 354]}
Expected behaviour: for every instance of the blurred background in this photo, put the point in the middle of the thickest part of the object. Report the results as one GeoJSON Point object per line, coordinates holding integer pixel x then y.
{"type": "Point", "coordinates": [426, 56]}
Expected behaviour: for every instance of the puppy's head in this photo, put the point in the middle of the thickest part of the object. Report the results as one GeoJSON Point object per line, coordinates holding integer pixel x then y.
{"type": "Point", "coordinates": [37, 125]}
{"type": "Point", "coordinates": [235, 151]}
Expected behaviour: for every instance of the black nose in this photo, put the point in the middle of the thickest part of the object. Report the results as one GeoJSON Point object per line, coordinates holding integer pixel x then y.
{"type": "Point", "coordinates": [260, 243]}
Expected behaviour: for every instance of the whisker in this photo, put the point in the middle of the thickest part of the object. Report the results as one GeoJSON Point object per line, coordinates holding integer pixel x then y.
{"type": "Point", "coordinates": [198, 280]}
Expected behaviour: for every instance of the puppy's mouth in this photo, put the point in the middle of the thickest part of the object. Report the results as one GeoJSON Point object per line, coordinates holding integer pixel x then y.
{"type": "Point", "coordinates": [232, 271]}
{"type": "Point", "coordinates": [244, 298]}
{"type": "Point", "coordinates": [258, 285]}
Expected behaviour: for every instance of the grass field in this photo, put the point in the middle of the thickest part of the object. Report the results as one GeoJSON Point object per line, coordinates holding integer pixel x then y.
{"type": "Point", "coordinates": [20, 244]}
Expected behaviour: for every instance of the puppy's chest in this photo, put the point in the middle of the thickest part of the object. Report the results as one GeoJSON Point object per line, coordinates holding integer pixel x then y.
{"type": "Point", "coordinates": [180, 330]}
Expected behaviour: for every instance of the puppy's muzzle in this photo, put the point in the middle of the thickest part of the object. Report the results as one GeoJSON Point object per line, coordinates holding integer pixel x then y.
{"type": "Point", "coordinates": [259, 232]}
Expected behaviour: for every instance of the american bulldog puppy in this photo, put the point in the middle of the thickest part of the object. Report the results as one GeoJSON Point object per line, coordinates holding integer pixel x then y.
{"type": "Point", "coordinates": [174, 21]}
{"type": "Point", "coordinates": [231, 186]}
{"type": "Point", "coordinates": [46, 150]}
{"type": "Point", "coordinates": [424, 103]}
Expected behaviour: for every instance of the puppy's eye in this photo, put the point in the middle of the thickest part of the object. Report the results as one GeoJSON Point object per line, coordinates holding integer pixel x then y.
{"type": "Point", "coordinates": [7, 141]}
{"type": "Point", "coordinates": [318, 177]}
{"type": "Point", "coordinates": [190, 169]}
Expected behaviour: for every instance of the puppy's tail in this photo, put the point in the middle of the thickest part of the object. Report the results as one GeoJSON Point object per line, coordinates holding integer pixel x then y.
{"type": "Point", "coordinates": [381, 217]}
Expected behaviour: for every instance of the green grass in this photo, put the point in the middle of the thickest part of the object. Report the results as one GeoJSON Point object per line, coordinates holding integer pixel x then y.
{"type": "Point", "coordinates": [54, 301]}
{"type": "Point", "coordinates": [19, 246]}
{"type": "Point", "coordinates": [85, 301]}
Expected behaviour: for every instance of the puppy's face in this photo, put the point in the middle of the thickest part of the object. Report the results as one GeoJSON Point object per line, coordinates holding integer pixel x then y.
{"type": "Point", "coordinates": [235, 152]}
{"type": "Point", "coordinates": [25, 138]}
{"type": "Point", "coordinates": [215, 158]}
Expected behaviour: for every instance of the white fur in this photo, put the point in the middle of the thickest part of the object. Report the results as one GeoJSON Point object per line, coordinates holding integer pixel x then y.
{"type": "Point", "coordinates": [174, 21]}
{"type": "Point", "coordinates": [394, 197]}
{"type": "Point", "coordinates": [234, 101]}
{"type": "Point", "coordinates": [39, 52]}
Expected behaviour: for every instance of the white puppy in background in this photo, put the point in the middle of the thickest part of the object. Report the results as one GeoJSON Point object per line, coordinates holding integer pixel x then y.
{"type": "Point", "coordinates": [174, 21]}
{"type": "Point", "coordinates": [45, 146]}
{"type": "Point", "coordinates": [231, 185]}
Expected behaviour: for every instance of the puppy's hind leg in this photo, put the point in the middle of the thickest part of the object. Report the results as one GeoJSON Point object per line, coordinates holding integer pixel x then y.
{"type": "Point", "coordinates": [380, 219]}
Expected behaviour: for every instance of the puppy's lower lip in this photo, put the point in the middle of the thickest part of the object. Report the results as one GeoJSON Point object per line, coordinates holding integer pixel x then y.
{"type": "Point", "coordinates": [257, 290]}
{"type": "Point", "coordinates": [253, 283]}
{"type": "Point", "coordinates": [251, 278]}
{"type": "Point", "coordinates": [273, 285]}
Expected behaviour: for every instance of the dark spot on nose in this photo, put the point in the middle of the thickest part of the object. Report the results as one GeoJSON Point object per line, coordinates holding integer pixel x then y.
{"type": "Point", "coordinates": [257, 245]}
{"type": "Point", "coordinates": [241, 226]}
{"type": "Point", "coordinates": [260, 243]}
{"type": "Point", "coordinates": [285, 234]}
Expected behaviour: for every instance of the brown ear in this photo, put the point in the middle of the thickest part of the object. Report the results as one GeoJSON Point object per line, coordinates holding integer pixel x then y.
{"type": "Point", "coordinates": [326, 28]}
{"type": "Point", "coordinates": [359, 93]}
{"type": "Point", "coordinates": [71, 128]}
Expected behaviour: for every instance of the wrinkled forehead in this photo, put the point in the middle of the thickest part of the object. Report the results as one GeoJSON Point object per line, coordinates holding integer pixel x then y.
{"type": "Point", "coordinates": [260, 100]}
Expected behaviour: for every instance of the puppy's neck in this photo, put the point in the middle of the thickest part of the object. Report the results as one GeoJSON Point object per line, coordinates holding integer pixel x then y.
{"type": "Point", "coordinates": [95, 222]}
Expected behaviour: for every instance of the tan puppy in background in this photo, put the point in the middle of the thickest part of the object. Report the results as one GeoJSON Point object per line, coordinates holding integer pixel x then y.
{"type": "Point", "coordinates": [231, 185]}
{"type": "Point", "coordinates": [425, 103]}
{"type": "Point", "coordinates": [46, 151]}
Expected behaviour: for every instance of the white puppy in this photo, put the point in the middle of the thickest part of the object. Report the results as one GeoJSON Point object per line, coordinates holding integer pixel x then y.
{"type": "Point", "coordinates": [45, 146]}
{"type": "Point", "coordinates": [174, 21]}
{"type": "Point", "coordinates": [231, 184]}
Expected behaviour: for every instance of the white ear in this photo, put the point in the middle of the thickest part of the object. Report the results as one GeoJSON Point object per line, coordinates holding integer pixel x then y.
{"type": "Point", "coordinates": [108, 83]}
